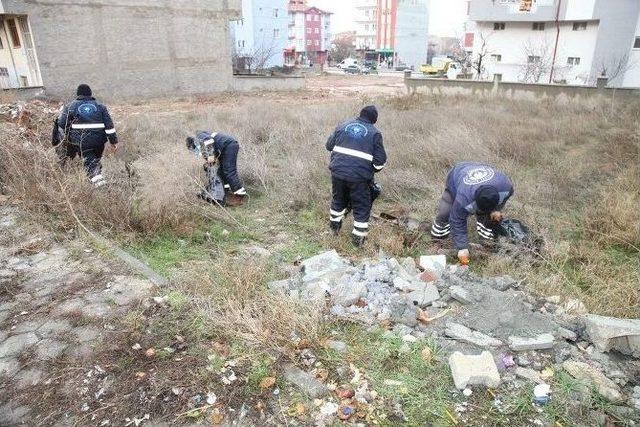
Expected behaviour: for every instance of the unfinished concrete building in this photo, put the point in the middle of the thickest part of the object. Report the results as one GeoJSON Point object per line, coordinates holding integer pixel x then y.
{"type": "Point", "coordinates": [122, 48]}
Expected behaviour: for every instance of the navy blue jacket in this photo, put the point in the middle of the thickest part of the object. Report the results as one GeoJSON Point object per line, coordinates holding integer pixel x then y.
{"type": "Point", "coordinates": [357, 151]}
{"type": "Point", "coordinates": [463, 182]}
{"type": "Point", "coordinates": [87, 123]}
{"type": "Point", "coordinates": [220, 142]}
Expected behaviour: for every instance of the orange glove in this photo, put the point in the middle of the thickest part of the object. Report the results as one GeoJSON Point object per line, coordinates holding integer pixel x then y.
{"type": "Point", "coordinates": [463, 256]}
{"type": "Point", "coordinates": [496, 217]}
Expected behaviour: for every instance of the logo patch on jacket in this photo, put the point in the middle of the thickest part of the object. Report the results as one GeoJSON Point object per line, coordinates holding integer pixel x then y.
{"type": "Point", "coordinates": [478, 175]}
{"type": "Point", "coordinates": [87, 110]}
{"type": "Point", "coordinates": [356, 130]}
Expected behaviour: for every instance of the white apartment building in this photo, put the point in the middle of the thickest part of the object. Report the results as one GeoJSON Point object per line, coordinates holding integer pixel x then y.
{"type": "Point", "coordinates": [366, 20]}
{"type": "Point", "coordinates": [260, 37]}
{"type": "Point", "coordinates": [18, 62]}
{"type": "Point", "coordinates": [558, 41]}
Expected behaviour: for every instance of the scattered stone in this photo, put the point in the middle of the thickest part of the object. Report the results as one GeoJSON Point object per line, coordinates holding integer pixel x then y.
{"type": "Point", "coordinates": [464, 334]}
{"type": "Point", "coordinates": [346, 293]}
{"type": "Point", "coordinates": [604, 385]}
{"type": "Point", "coordinates": [474, 370]}
{"type": "Point", "coordinates": [502, 283]}
{"type": "Point", "coordinates": [610, 333]}
{"type": "Point", "coordinates": [323, 266]}
{"type": "Point", "coordinates": [15, 344]}
{"type": "Point", "coordinates": [433, 262]}
{"type": "Point", "coordinates": [406, 285]}
{"type": "Point", "coordinates": [48, 349]}
{"type": "Point", "coordinates": [529, 374]}
{"type": "Point", "coordinates": [567, 334]}
{"type": "Point", "coordinates": [257, 251]}
{"type": "Point", "coordinates": [425, 296]}
{"type": "Point", "coordinates": [460, 294]}
{"type": "Point", "coordinates": [305, 382]}
{"type": "Point", "coordinates": [409, 338]}
{"type": "Point", "coordinates": [338, 346]}
{"type": "Point", "coordinates": [409, 265]}
{"type": "Point", "coordinates": [402, 311]}
{"type": "Point", "coordinates": [329, 408]}
{"type": "Point", "coordinates": [540, 342]}
{"type": "Point", "coordinates": [9, 366]}
{"type": "Point", "coordinates": [554, 299]}
{"type": "Point", "coordinates": [467, 392]}
{"type": "Point", "coordinates": [126, 290]}
{"type": "Point", "coordinates": [574, 306]}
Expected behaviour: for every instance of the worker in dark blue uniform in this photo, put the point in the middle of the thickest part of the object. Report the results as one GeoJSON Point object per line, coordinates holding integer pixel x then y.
{"type": "Point", "coordinates": [220, 151]}
{"type": "Point", "coordinates": [357, 152]}
{"type": "Point", "coordinates": [472, 188]}
{"type": "Point", "coordinates": [87, 126]}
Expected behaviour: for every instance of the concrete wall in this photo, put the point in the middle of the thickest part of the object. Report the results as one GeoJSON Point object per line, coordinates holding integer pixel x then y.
{"type": "Point", "coordinates": [632, 76]}
{"type": "Point", "coordinates": [132, 48]}
{"type": "Point", "coordinates": [516, 90]}
{"type": "Point", "coordinates": [249, 83]}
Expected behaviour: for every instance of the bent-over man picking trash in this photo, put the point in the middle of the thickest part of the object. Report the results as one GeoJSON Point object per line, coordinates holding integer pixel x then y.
{"type": "Point", "coordinates": [472, 188]}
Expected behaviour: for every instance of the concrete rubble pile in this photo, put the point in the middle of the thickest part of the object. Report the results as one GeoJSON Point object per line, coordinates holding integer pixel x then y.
{"type": "Point", "coordinates": [491, 331]}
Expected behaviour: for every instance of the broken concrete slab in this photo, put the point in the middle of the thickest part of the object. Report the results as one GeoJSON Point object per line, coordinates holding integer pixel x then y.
{"type": "Point", "coordinates": [502, 283]}
{"type": "Point", "coordinates": [326, 265]}
{"type": "Point", "coordinates": [610, 333]}
{"type": "Point", "coordinates": [464, 334]}
{"type": "Point", "coordinates": [574, 306]}
{"type": "Point", "coordinates": [594, 377]}
{"type": "Point", "coordinates": [402, 311]}
{"type": "Point", "coordinates": [407, 285]}
{"type": "Point", "coordinates": [433, 262]}
{"type": "Point", "coordinates": [460, 294]}
{"type": "Point", "coordinates": [566, 334]}
{"type": "Point", "coordinates": [305, 382]}
{"type": "Point", "coordinates": [474, 370]}
{"type": "Point", "coordinates": [16, 344]}
{"type": "Point", "coordinates": [346, 294]}
{"type": "Point", "coordinates": [424, 296]}
{"type": "Point", "coordinates": [529, 374]}
{"type": "Point", "coordinates": [539, 342]}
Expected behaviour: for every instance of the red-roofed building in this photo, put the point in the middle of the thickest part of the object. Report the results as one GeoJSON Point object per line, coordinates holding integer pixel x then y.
{"type": "Point", "coordinates": [309, 34]}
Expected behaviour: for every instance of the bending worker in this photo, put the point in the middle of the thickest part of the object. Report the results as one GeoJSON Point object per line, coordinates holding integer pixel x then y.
{"type": "Point", "coordinates": [472, 188]}
{"type": "Point", "coordinates": [87, 125]}
{"type": "Point", "coordinates": [221, 149]}
{"type": "Point", "coordinates": [357, 153]}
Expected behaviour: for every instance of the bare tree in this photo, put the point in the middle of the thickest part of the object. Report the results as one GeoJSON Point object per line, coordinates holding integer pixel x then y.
{"type": "Point", "coordinates": [614, 66]}
{"type": "Point", "coordinates": [343, 47]}
{"type": "Point", "coordinates": [538, 63]}
{"type": "Point", "coordinates": [255, 59]}
{"type": "Point", "coordinates": [478, 61]}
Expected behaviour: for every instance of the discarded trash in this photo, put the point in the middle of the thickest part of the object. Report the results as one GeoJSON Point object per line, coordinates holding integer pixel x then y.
{"type": "Point", "coordinates": [345, 412]}
{"type": "Point", "coordinates": [541, 394]}
{"type": "Point", "coordinates": [518, 233]}
{"type": "Point", "coordinates": [467, 392]}
{"type": "Point", "coordinates": [507, 360]}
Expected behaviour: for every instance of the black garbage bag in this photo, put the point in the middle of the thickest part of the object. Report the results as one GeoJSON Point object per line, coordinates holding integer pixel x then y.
{"type": "Point", "coordinates": [518, 233]}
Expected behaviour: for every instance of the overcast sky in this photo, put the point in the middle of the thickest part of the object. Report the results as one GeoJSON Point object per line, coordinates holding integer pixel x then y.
{"type": "Point", "coordinates": [447, 16]}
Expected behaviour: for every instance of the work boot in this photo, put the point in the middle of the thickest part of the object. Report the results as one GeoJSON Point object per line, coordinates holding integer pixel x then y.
{"type": "Point", "coordinates": [233, 200]}
{"type": "Point", "coordinates": [335, 227]}
{"type": "Point", "coordinates": [357, 241]}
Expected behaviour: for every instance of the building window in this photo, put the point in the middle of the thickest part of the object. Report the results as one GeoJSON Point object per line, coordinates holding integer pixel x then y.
{"type": "Point", "coordinates": [579, 26]}
{"type": "Point", "coordinates": [308, 17]}
{"type": "Point", "coordinates": [308, 30]}
{"type": "Point", "coordinates": [572, 60]}
{"type": "Point", "coordinates": [4, 72]}
{"type": "Point", "coordinates": [316, 18]}
{"type": "Point", "coordinates": [24, 82]}
{"type": "Point", "coordinates": [636, 44]}
{"type": "Point", "coordinates": [13, 31]}
{"type": "Point", "coordinates": [538, 26]}
{"type": "Point", "coordinates": [275, 13]}
{"type": "Point", "coordinates": [317, 30]}
{"type": "Point", "coordinates": [276, 33]}
{"type": "Point", "coordinates": [533, 59]}
{"type": "Point", "coordinates": [498, 26]}
{"type": "Point", "coordinates": [308, 42]}
{"type": "Point", "coordinates": [496, 58]}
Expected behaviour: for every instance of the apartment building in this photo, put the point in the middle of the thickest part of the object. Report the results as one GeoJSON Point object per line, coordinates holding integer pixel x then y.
{"type": "Point", "coordinates": [366, 22]}
{"type": "Point", "coordinates": [561, 41]}
{"type": "Point", "coordinates": [309, 34]}
{"type": "Point", "coordinates": [18, 61]}
{"type": "Point", "coordinates": [261, 36]}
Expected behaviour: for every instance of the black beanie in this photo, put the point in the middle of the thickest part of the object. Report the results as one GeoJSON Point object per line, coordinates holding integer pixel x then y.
{"type": "Point", "coordinates": [487, 199]}
{"type": "Point", "coordinates": [83, 90]}
{"type": "Point", "coordinates": [370, 113]}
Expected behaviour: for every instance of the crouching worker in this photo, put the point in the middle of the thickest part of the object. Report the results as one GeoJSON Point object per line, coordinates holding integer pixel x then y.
{"type": "Point", "coordinates": [357, 153]}
{"type": "Point", "coordinates": [472, 188]}
{"type": "Point", "coordinates": [86, 126]}
{"type": "Point", "coordinates": [221, 154]}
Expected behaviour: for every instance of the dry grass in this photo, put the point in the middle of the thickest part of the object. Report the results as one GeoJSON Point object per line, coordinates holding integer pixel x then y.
{"type": "Point", "coordinates": [575, 168]}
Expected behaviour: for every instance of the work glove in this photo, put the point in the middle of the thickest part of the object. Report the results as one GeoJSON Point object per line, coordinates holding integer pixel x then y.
{"type": "Point", "coordinates": [212, 160]}
{"type": "Point", "coordinates": [463, 256]}
{"type": "Point", "coordinates": [495, 217]}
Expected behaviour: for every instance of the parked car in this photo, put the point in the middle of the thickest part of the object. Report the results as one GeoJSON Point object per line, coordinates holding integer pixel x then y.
{"type": "Point", "coordinates": [401, 66]}
{"type": "Point", "coordinates": [371, 64]}
{"type": "Point", "coordinates": [347, 62]}
{"type": "Point", "coordinates": [352, 69]}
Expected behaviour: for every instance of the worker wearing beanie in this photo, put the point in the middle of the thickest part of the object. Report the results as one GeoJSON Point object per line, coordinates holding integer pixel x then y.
{"type": "Point", "coordinates": [357, 153]}
{"type": "Point", "coordinates": [472, 188]}
{"type": "Point", "coordinates": [87, 126]}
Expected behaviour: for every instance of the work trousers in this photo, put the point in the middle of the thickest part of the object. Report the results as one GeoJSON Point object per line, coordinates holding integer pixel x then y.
{"type": "Point", "coordinates": [358, 196]}
{"type": "Point", "coordinates": [440, 229]}
{"type": "Point", "coordinates": [90, 155]}
{"type": "Point", "coordinates": [228, 170]}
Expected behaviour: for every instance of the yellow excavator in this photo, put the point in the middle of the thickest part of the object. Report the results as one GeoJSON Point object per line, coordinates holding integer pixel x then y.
{"type": "Point", "coordinates": [438, 67]}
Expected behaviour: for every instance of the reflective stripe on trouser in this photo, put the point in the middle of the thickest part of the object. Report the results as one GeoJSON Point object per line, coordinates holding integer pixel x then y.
{"type": "Point", "coordinates": [358, 195]}
{"type": "Point", "coordinates": [440, 230]}
{"type": "Point", "coordinates": [337, 216]}
{"type": "Point", "coordinates": [360, 229]}
{"type": "Point", "coordinates": [483, 231]}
